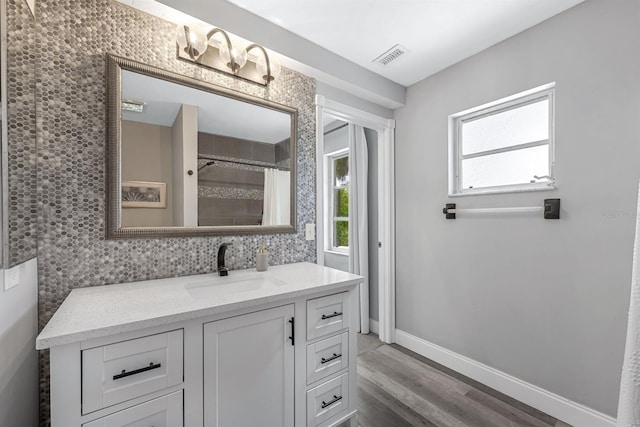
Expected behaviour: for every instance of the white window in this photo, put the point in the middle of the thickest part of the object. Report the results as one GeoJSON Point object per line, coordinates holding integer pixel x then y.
{"type": "Point", "coordinates": [338, 165]}
{"type": "Point", "coordinates": [504, 146]}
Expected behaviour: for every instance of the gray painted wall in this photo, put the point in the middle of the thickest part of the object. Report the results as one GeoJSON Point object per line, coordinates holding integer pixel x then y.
{"type": "Point", "coordinates": [337, 261]}
{"type": "Point", "coordinates": [337, 138]}
{"type": "Point", "coordinates": [544, 301]}
{"type": "Point", "coordinates": [147, 151]}
{"type": "Point", "coordinates": [18, 356]}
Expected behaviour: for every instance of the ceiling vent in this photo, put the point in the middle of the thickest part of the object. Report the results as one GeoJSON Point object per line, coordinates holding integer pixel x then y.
{"type": "Point", "coordinates": [133, 105]}
{"type": "Point", "coordinates": [391, 55]}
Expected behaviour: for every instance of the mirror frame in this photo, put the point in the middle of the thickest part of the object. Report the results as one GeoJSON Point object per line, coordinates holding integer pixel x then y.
{"type": "Point", "coordinates": [114, 229]}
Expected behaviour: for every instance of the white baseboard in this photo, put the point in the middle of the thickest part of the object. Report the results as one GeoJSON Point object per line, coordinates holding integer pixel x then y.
{"type": "Point", "coordinates": [373, 326]}
{"type": "Point", "coordinates": [557, 406]}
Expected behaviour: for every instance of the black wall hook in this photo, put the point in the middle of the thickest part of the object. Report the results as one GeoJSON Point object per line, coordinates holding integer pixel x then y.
{"type": "Point", "coordinates": [446, 208]}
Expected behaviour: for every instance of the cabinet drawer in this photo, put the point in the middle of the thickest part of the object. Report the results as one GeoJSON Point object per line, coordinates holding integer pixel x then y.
{"type": "Point", "coordinates": [326, 315]}
{"type": "Point", "coordinates": [327, 357]}
{"type": "Point", "coordinates": [165, 411]}
{"type": "Point", "coordinates": [327, 400]}
{"type": "Point", "coordinates": [118, 372]}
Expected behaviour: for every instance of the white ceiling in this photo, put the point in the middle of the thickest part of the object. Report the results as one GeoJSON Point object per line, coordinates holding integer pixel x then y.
{"type": "Point", "coordinates": [217, 114]}
{"type": "Point", "coordinates": [437, 33]}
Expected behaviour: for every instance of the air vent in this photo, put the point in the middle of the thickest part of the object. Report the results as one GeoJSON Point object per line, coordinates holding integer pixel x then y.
{"type": "Point", "coordinates": [391, 55]}
{"type": "Point", "coordinates": [133, 105]}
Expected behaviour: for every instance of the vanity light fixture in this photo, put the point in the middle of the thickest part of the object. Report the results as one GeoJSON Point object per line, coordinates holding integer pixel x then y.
{"type": "Point", "coordinates": [215, 50]}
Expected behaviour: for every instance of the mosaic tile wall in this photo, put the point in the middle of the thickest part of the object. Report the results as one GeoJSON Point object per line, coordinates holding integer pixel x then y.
{"type": "Point", "coordinates": [72, 251]}
{"type": "Point", "coordinates": [21, 135]}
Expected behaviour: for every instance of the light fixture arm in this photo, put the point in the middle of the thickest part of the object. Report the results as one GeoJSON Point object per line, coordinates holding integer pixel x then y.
{"type": "Point", "coordinates": [266, 59]}
{"type": "Point", "coordinates": [190, 50]}
{"type": "Point", "coordinates": [234, 66]}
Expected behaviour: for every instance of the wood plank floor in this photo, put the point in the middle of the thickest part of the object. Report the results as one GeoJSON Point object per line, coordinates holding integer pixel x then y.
{"type": "Point", "coordinates": [397, 387]}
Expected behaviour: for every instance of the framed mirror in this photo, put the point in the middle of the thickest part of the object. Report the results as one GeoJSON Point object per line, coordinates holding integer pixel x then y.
{"type": "Point", "coordinates": [189, 158]}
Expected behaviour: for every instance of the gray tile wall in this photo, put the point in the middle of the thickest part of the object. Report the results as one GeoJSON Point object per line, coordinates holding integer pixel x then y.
{"type": "Point", "coordinates": [72, 251]}
{"type": "Point", "coordinates": [235, 148]}
{"type": "Point", "coordinates": [282, 151]}
{"type": "Point", "coordinates": [230, 193]}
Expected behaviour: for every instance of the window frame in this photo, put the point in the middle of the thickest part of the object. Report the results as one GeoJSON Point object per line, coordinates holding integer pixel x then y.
{"type": "Point", "coordinates": [513, 102]}
{"type": "Point", "coordinates": [331, 187]}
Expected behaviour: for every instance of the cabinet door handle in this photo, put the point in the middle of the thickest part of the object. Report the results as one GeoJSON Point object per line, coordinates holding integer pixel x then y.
{"type": "Point", "coordinates": [335, 356]}
{"type": "Point", "coordinates": [329, 316]}
{"type": "Point", "coordinates": [293, 330]}
{"type": "Point", "coordinates": [125, 374]}
{"type": "Point", "coordinates": [331, 402]}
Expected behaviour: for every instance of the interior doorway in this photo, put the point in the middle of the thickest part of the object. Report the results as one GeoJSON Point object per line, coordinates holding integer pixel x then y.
{"type": "Point", "coordinates": [355, 206]}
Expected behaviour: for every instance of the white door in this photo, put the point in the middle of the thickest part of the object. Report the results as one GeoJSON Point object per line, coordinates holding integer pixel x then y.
{"type": "Point", "coordinates": [248, 370]}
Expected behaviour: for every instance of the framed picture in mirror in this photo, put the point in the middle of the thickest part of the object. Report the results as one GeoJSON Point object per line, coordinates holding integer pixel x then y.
{"type": "Point", "coordinates": [143, 194]}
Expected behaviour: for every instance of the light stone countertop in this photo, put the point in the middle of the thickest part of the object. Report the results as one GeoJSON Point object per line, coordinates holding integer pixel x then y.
{"type": "Point", "coordinates": [100, 311]}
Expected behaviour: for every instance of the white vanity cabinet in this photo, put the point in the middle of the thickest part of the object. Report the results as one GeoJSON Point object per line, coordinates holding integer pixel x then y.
{"type": "Point", "coordinates": [249, 369]}
{"type": "Point", "coordinates": [282, 355]}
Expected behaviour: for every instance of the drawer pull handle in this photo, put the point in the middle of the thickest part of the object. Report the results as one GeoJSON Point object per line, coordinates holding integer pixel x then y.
{"type": "Point", "coordinates": [329, 316]}
{"type": "Point", "coordinates": [335, 356]}
{"type": "Point", "coordinates": [331, 402]}
{"type": "Point", "coordinates": [125, 374]}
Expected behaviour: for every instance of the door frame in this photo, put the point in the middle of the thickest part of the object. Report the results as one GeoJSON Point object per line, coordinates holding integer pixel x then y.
{"type": "Point", "coordinates": [386, 201]}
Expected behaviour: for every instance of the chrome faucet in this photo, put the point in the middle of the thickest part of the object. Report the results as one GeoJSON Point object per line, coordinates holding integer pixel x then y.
{"type": "Point", "coordinates": [222, 270]}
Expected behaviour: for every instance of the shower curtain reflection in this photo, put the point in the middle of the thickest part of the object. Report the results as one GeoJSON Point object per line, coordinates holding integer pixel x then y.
{"type": "Point", "coordinates": [277, 197]}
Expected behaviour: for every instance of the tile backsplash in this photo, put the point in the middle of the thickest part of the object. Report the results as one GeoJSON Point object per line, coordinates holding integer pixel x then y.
{"type": "Point", "coordinates": [74, 38]}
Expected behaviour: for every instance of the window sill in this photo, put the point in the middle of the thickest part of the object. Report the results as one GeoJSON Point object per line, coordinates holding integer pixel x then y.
{"type": "Point", "coordinates": [505, 190]}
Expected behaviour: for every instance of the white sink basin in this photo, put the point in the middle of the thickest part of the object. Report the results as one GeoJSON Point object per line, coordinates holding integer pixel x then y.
{"type": "Point", "coordinates": [224, 286]}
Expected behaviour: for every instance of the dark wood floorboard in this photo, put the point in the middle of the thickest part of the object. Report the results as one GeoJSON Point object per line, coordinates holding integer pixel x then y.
{"type": "Point", "coordinates": [397, 387]}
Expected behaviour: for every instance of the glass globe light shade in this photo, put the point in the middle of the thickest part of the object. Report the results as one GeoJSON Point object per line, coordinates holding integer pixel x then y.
{"type": "Point", "coordinates": [239, 55]}
{"type": "Point", "coordinates": [196, 44]}
{"type": "Point", "coordinates": [225, 55]}
{"type": "Point", "coordinates": [261, 65]}
{"type": "Point", "coordinates": [276, 68]}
